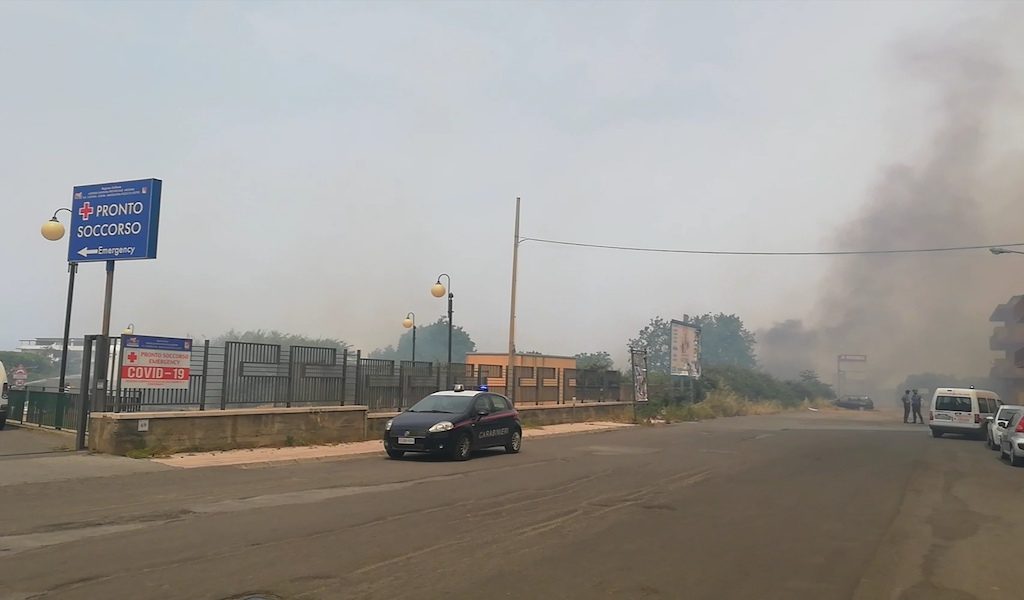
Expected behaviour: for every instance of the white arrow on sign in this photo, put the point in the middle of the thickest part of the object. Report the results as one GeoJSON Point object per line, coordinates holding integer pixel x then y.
{"type": "Point", "coordinates": [88, 252]}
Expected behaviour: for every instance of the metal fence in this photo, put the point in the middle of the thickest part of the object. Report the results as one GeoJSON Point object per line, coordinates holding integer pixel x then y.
{"type": "Point", "coordinates": [250, 375]}
{"type": "Point", "coordinates": [44, 407]}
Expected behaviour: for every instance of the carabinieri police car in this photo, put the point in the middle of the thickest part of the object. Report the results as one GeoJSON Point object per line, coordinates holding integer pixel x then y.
{"type": "Point", "coordinates": [455, 422]}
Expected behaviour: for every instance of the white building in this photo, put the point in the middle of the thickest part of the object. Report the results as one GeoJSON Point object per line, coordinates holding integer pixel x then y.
{"type": "Point", "coordinates": [51, 346]}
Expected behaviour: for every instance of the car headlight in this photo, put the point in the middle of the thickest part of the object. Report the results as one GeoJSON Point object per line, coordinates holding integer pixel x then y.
{"type": "Point", "coordinates": [439, 427]}
{"type": "Point", "coordinates": [387, 426]}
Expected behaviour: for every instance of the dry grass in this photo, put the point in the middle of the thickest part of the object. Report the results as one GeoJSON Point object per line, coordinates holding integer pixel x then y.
{"type": "Point", "coordinates": [721, 403]}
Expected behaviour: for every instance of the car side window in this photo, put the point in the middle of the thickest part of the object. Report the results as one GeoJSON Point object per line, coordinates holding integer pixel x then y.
{"type": "Point", "coordinates": [500, 404]}
{"type": "Point", "coordinates": [484, 403]}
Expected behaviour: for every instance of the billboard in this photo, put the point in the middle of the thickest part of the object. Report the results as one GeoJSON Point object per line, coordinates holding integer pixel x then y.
{"type": "Point", "coordinates": [638, 359]}
{"type": "Point", "coordinates": [149, 362]}
{"type": "Point", "coordinates": [685, 354]}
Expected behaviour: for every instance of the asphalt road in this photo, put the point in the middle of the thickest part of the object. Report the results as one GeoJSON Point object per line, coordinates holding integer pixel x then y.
{"type": "Point", "coordinates": [814, 505]}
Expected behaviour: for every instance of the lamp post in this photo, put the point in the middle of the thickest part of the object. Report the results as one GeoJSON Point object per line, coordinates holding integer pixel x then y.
{"type": "Point", "coordinates": [410, 323]}
{"type": "Point", "coordinates": [438, 290]}
{"type": "Point", "coordinates": [53, 230]}
{"type": "Point", "coordinates": [129, 330]}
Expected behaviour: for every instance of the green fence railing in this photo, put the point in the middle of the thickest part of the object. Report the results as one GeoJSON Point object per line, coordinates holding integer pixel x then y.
{"type": "Point", "coordinates": [45, 408]}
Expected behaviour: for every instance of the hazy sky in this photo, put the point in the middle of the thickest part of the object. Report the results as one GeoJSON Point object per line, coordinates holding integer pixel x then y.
{"type": "Point", "coordinates": [323, 163]}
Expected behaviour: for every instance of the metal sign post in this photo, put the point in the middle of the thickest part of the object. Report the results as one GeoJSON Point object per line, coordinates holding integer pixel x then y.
{"type": "Point", "coordinates": [84, 393]}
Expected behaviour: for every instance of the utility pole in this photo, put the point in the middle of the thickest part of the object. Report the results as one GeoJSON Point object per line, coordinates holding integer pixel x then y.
{"type": "Point", "coordinates": [510, 371]}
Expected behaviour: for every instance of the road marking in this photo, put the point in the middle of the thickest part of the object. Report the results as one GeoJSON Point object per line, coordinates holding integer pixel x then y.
{"type": "Point", "coordinates": [14, 544]}
{"type": "Point", "coordinates": [308, 496]}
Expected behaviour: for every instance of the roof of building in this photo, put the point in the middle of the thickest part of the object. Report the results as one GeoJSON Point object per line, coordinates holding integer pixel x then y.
{"type": "Point", "coordinates": [1004, 313]}
{"type": "Point", "coordinates": [505, 354]}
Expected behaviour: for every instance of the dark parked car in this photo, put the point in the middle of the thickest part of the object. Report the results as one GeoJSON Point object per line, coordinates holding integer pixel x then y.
{"type": "Point", "coordinates": [455, 422]}
{"type": "Point", "coordinates": [855, 402]}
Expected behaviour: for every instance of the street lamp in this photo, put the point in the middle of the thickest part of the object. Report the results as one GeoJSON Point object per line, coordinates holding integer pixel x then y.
{"type": "Point", "coordinates": [53, 230]}
{"type": "Point", "coordinates": [998, 251]}
{"type": "Point", "coordinates": [129, 330]}
{"type": "Point", "coordinates": [410, 323]}
{"type": "Point", "coordinates": [438, 290]}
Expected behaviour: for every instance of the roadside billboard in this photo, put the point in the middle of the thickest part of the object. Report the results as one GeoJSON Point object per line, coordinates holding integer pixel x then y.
{"type": "Point", "coordinates": [149, 362]}
{"type": "Point", "coordinates": [638, 359]}
{"type": "Point", "coordinates": [685, 355]}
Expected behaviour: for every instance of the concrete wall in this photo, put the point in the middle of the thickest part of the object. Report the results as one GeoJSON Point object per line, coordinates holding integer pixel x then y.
{"type": "Point", "coordinates": [375, 423]}
{"type": "Point", "coordinates": [184, 431]}
{"type": "Point", "coordinates": [200, 431]}
{"type": "Point", "coordinates": [616, 412]}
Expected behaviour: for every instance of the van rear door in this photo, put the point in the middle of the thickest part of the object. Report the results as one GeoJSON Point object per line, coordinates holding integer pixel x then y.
{"type": "Point", "coordinates": [954, 410]}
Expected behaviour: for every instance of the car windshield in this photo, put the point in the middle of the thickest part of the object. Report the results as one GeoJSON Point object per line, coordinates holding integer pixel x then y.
{"type": "Point", "coordinates": [954, 403]}
{"type": "Point", "coordinates": [443, 403]}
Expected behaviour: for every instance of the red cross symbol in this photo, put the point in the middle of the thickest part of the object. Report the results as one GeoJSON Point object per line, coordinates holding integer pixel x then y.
{"type": "Point", "coordinates": [85, 211]}
{"type": "Point", "coordinates": [132, 357]}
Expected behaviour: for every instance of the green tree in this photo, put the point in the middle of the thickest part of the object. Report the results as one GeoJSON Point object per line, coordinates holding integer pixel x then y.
{"type": "Point", "coordinates": [260, 336]}
{"type": "Point", "coordinates": [809, 385]}
{"type": "Point", "coordinates": [601, 361]}
{"type": "Point", "coordinates": [39, 366]}
{"type": "Point", "coordinates": [656, 338]}
{"type": "Point", "coordinates": [725, 340]}
{"type": "Point", "coordinates": [431, 344]}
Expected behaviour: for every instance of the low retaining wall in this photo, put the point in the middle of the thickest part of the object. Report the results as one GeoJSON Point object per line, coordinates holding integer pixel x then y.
{"type": "Point", "coordinates": [375, 423]}
{"type": "Point", "coordinates": [203, 431]}
{"type": "Point", "coordinates": [198, 431]}
{"type": "Point", "coordinates": [536, 416]}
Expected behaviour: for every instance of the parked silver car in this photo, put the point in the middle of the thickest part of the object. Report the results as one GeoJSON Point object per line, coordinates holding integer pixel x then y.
{"type": "Point", "coordinates": [997, 424]}
{"type": "Point", "coordinates": [1012, 444]}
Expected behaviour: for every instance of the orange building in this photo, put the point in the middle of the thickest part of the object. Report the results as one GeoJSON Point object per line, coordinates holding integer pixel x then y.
{"type": "Point", "coordinates": [538, 376]}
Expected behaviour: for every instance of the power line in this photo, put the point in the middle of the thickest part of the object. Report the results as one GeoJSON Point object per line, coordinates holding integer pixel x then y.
{"type": "Point", "coordinates": [767, 253]}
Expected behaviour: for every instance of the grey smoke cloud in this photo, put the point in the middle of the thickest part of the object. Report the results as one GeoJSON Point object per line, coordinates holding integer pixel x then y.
{"type": "Point", "coordinates": [925, 312]}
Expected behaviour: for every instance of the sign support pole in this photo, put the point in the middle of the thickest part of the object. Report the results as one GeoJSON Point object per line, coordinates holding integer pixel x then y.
{"type": "Point", "coordinates": [84, 394]}
{"type": "Point", "coordinates": [103, 345]}
{"type": "Point", "coordinates": [72, 270]}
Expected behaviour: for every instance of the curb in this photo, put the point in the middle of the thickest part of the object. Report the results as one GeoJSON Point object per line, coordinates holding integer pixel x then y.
{"type": "Point", "coordinates": [357, 455]}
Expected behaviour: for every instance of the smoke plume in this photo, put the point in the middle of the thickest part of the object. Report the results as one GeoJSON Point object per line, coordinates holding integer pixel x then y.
{"type": "Point", "coordinates": [925, 312]}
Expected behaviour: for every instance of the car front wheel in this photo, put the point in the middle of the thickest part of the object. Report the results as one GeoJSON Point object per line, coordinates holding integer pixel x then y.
{"type": "Point", "coordinates": [463, 447]}
{"type": "Point", "coordinates": [515, 443]}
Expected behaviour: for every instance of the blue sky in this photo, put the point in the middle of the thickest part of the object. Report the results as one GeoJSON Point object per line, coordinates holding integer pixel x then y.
{"type": "Point", "coordinates": [323, 162]}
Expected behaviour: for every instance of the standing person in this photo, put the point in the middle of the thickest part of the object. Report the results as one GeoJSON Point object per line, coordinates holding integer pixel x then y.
{"type": "Point", "coordinates": [915, 403]}
{"type": "Point", "coordinates": [906, 405]}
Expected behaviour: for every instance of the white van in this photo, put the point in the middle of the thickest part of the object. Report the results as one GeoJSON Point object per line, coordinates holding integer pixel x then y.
{"type": "Point", "coordinates": [962, 410]}
{"type": "Point", "coordinates": [3, 395]}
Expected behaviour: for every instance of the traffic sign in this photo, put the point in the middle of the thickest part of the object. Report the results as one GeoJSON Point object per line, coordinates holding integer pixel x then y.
{"type": "Point", "coordinates": [149, 362]}
{"type": "Point", "coordinates": [115, 221]}
{"type": "Point", "coordinates": [20, 376]}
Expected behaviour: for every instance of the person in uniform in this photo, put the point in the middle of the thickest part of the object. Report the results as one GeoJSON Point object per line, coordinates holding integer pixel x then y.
{"type": "Point", "coordinates": [915, 404]}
